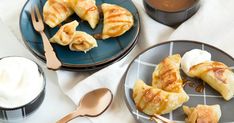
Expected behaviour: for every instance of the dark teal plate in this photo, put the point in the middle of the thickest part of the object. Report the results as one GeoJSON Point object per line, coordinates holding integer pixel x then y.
{"type": "Point", "coordinates": [94, 67]}
{"type": "Point", "coordinates": [109, 50]}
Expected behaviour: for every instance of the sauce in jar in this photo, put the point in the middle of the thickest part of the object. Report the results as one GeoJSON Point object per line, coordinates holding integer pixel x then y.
{"type": "Point", "coordinates": [171, 5]}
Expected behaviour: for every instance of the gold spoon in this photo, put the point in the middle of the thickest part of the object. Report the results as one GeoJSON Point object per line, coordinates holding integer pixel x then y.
{"type": "Point", "coordinates": [92, 104]}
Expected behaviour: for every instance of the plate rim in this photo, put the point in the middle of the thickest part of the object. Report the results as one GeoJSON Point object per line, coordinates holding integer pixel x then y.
{"type": "Point", "coordinates": [85, 69]}
{"type": "Point", "coordinates": [151, 47]}
{"type": "Point", "coordinates": [106, 61]}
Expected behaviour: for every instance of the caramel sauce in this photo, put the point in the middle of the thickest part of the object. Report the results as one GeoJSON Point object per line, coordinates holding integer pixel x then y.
{"type": "Point", "coordinates": [57, 8]}
{"type": "Point", "coordinates": [59, 25]}
{"type": "Point", "coordinates": [217, 67]}
{"type": "Point", "coordinates": [118, 30]}
{"type": "Point", "coordinates": [113, 21]}
{"type": "Point", "coordinates": [150, 98]}
{"type": "Point", "coordinates": [93, 8]}
{"type": "Point", "coordinates": [100, 11]}
{"type": "Point", "coordinates": [163, 105]}
{"type": "Point", "coordinates": [195, 66]}
{"type": "Point", "coordinates": [219, 74]}
{"type": "Point", "coordinates": [169, 80]}
{"type": "Point", "coordinates": [188, 82]}
{"type": "Point", "coordinates": [141, 99]}
{"type": "Point", "coordinates": [117, 15]}
{"type": "Point", "coordinates": [185, 81]}
{"type": "Point", "coordinates": [217, 64]}
{"type": "Point", "coordinates": [80, 46]}
{"type": "Point", "coordinates": [50, 16]}
{"type": "Point", "coordinates": [97, 36]}
{"type": "Point", "coordinates": [200, 88]}
{"type": "Point", "coordinates": [171, 5]}
{"type": "Point", "coordinates": [191, 84]}
{"type": "Point", "coordinates": [163, 73]}
{"type": "Point", "coordinates": [60, 8]}
{"type": "Point", "coordinates": [77, 38]}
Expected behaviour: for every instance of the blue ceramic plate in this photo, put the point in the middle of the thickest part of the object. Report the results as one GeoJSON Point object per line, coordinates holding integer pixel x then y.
{"type": "Point", "coordinates": [94, 67]}
{"type": "Point", "coordinates": [144, 64]}
{"type": "Point", "coordinates": [107, 51]}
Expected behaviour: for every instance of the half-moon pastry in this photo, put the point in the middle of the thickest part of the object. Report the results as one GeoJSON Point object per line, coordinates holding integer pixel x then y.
{"type": "Point", "coordinates": [65, 34]}
{"type": "Point", "coordinates": [86, 10]}
{"type": "Point", "coordinates": [202, 114]}
{"type": "Point", "coordinates": [56, 11]}
{"type": "Point", "coordinates": [197, 63]}
{"type": "Point", "coordinates": [82, 42]}
{"type": "Point", "coordinates": [117, 20]}
{"type": "Point", "coordinates": [167, 75]}
{"type": "Point", "coordinates": [217, 75]}
{"type": "Point", "coordinates": [152, 100]}
{"type": "Point", "coordinates": [193, 57]}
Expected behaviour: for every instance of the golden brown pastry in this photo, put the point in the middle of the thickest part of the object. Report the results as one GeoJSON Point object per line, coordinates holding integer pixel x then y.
{"type": "Point", "coordinates": [117, 20]}
{"type": "Point", "coordinates": [152, 100]}
{"type": "Point", "coordinates": [167, 75]}
{"type": "Point", "coordinates": [202, 114]}
{"type": "Point", "coordinates": [217, 75]}
{"type": "Point", "coordinates": [56, 11]}
{"type": "Point", "coordinates": [82, 42]}
{"type": "Point", "coordinates": [86, 10]}
{"type": "Point", "coordinates": [166, 93]}
{"type": "Point", "coordinates": [65, 34]}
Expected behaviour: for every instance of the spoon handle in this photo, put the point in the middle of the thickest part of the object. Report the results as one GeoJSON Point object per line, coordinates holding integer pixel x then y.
{"type": "Point", "coordinates": [71, 116]}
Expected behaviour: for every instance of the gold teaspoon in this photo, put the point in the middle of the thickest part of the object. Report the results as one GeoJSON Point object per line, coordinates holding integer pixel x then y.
{"type": "Point", "coordinates": [92, 104]}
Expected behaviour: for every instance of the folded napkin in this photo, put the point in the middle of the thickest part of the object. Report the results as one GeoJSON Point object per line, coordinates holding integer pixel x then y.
{"type": "Point", "coordinates": [152, 32]}
{"type": "Point", "coordinates": [212, 24]}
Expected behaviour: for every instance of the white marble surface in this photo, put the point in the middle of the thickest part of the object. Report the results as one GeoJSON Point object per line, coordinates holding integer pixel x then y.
{"type": "Point", "coordinates": [56, 103]}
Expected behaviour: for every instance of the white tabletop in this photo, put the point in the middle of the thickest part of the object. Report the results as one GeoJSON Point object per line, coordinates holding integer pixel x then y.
{"type": "Point", "coordinates": [56, 103]}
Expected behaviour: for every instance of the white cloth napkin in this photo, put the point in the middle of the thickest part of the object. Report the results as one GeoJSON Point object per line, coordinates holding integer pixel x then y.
{"type": "Point", "coordinates": [152, 32]}
{"type": "Point", "coordinates": [213, 24]}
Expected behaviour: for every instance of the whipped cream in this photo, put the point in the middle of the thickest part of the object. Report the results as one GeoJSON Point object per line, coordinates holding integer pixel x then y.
{"type": "Point", "coordinates": [194, 57]}
{"type": "Point", "coordinates": [20, 81]}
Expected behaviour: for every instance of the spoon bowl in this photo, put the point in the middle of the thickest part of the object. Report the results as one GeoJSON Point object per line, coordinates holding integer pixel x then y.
{"type": "Point", "coordinates": [96, 102]}
{"type": "Point", "coordinates": [92, 104]}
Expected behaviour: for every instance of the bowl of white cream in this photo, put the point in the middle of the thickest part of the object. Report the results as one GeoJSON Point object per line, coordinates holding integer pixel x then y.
{"type": "Point", "coordinates": [22, 87]}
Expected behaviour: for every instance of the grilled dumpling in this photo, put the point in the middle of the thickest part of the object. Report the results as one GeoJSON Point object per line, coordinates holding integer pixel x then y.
{"type": "Point", "coordinates": [152, 100]}
{"type": "Point", "coordinates": [82, 42]}
{"type": "Point", "coordinates": [65, 34]}
{"type": "Point", "coordinates": [203, 114]}
{"type": "Point", "coordinates": [117, 20]}
{"type": "Point", "coordinates": [56, 11]}
{"type": "Point", "coordinates": [166, 93]}
{"type": "Point", "coordinates": [167, 75]}
{"type": "Point", "coordinates": [86, 10]}
{"type": "Point", "coordinates": [217, 75]}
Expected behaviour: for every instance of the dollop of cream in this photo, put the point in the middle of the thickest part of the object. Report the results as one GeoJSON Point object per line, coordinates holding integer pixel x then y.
{"type": "Point", "coordinates": [20, 81]}
{"type": "Point", "coordinates": [194, 57]}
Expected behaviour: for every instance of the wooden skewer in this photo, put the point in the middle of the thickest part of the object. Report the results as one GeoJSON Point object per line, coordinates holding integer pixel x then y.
{"type": "Point", "coordinates": [163, 119]}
